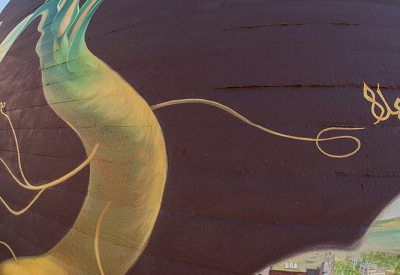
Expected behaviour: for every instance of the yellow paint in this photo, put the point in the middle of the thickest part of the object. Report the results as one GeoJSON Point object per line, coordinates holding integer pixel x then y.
{"type": "Point", "coordinates": [317, 140]}
{"type": "Point", "coordinates": [79, 22]}
{"type": "Point", "coordinates": [122, 138]}
{"type": "Point", "coordinates": [11, 251]}
{"type": "Point", "coordinates": [26, 184]}
{"type": "Point", "coordinates": [22, 211]}
{"type": "Point", "coordinates": [384, 110]}
{"type": "Point", "coordinates": [33, 266]}
{"type": "Point", "coordinates": [66, 21]}
{"type": "Point", "coordinates": [97, 235]}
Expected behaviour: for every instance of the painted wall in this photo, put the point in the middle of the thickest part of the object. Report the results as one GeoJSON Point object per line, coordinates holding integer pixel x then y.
{"type": "Point", "coordinates": [281, 141]}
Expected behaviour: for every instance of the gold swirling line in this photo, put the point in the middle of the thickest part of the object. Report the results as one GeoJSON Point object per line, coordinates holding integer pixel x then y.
{"type": "Point", "coordinates": [317, 140]}
{"type": "Point", "coordinates": [10, 249]}
{"type": "Point", "coordinates": [97, 234]}
{"type": "Point", "coordinates": [26, 184]}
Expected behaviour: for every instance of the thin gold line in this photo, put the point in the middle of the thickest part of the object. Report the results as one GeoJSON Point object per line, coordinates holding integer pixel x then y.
{"type": "Point", "coordinates": [228, 110]}
{"type": "Point", "coordinates": [97, 234]}
{"type": "Point", "coordinates": [3, 104]}
{"type": "Point", "coordinates": [9, 248]}
{"type": "Point", "coordinates": [26, 184]}
{"type": "Point", "coordinates": [317, 140]}
{"type": "Point", "coordinates": [22, 211]}
{"type": "Point", "coordinates": [57, 181]}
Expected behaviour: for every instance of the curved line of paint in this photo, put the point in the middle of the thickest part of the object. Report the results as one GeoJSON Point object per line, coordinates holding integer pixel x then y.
{"type": "Point", "coordinates": [27, 184]}
{"type": "Point", "coordinates": [26, 208]}
{"type": "Point", "coordinates": [10, 249]}
{"type": "Point", "coordinates": [75, 81]}
{"type": "Point", "coordinates": [96, 238]}
{"type": "Point", "coordinates": [317, 140]}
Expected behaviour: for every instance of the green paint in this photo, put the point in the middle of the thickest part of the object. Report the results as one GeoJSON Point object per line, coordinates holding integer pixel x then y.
{"type": "Point", "coordinates": [128, 171]}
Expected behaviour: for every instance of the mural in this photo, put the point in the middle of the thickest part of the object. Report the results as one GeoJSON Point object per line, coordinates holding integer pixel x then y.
{"type": "Point", "coordinates": [127, 155]}
{"type": "Point", "coordinates": [126, 185]}
{"type": "Point", "coordinates": [377, 253]}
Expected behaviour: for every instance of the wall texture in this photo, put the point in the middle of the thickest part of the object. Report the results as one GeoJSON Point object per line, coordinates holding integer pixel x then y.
{"type": "Point", "coordinates": [236, 199]}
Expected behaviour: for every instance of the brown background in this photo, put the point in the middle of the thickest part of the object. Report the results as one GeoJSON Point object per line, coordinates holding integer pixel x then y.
{"type": "Point", "coordinates": [236, 198]}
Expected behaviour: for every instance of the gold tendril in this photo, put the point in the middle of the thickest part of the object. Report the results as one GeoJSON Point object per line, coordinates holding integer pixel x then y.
{"type": "Point", "coordinates": [97, 234]}
{"type": "Point", "coordinates": [25, 183]}
{"type": "Point", "coordinates": [317, 140]}
{"type": "Point", "coordinates": [9, 248]}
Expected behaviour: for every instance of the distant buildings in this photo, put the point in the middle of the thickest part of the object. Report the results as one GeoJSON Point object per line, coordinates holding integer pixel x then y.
{"type": "Point", "coordinates": [370, 269]}
{"type": "Point", "coordinates": [298, 268]}
{"type": "Point", "coordinates": [353, 261]}
{"type": "Point", "coordinates": [282, 272]}
{"type": "Point", "coordinates": [290, 265]}
{"type": "Point", "coordinates": [365, 268]}
{"type": "Point", "coordinates": [327, 267]}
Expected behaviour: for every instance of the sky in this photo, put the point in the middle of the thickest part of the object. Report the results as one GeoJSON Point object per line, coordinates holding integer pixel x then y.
{"type": "Point", "coordinates": [3, 3]}
{"type": "Point", "coordinates": [391, 211]}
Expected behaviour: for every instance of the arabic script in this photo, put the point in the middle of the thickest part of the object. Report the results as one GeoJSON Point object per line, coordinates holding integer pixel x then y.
{"type": "Point", "coordinates": [381, 111]}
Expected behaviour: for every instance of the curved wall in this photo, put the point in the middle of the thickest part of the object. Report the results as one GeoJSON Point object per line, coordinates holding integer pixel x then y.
{"type": "Point", "coordinates": [236, 199]}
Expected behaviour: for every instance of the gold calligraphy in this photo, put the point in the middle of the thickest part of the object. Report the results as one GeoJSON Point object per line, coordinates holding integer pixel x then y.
{"type": "Point", "coordinates": [384, 110]}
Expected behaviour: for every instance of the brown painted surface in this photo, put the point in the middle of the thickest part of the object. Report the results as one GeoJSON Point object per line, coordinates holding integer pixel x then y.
{"type": "Point", "coordinates": [236, 199]}
{"type": "Point", "coordinates": [281, 272]}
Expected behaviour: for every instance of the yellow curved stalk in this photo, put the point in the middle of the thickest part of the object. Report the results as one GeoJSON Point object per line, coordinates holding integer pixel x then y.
{"type": "Point", "coordinates": [130, 166]}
